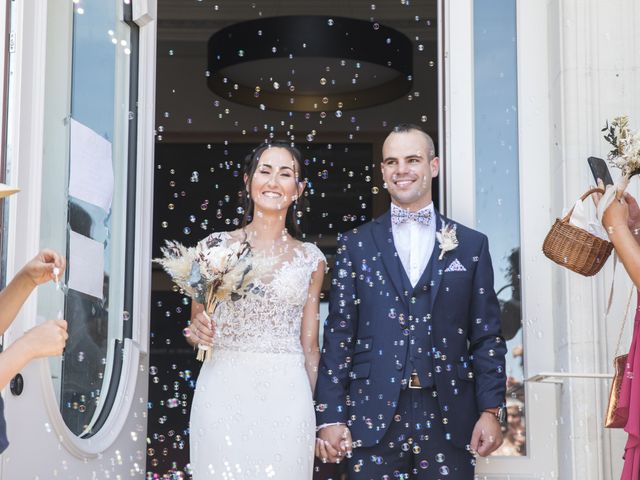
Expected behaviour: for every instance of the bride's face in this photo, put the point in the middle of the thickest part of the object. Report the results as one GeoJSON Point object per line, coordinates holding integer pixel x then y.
{"type": "Point", "coordinates": [274, 184]}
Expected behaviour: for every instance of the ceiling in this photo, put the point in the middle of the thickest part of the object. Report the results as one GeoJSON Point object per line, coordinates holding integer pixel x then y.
{"type": "Point", "coordinates": [187, 109]}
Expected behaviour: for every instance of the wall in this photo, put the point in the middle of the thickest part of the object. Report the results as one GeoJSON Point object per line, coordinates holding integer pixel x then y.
{"type": "Point", "coordinates": [593, 74]}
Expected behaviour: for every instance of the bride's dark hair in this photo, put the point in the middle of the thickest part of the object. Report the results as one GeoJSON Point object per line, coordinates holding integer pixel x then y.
{"type": "Point", "coordinates": [251, 161]}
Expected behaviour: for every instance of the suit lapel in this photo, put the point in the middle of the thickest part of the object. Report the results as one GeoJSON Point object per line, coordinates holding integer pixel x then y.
{"type": "Point", "coordinates": [383, 238]}
{"type": "Point", "coordinates": [437, 265]}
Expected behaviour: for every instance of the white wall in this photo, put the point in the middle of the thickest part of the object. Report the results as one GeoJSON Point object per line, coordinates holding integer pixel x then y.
{"type": "Point", "coordinates": [593, 55]}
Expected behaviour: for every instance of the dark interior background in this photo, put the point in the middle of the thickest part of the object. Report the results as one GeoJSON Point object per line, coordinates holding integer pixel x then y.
{"type": "Point", "coordinates": [201, 142]}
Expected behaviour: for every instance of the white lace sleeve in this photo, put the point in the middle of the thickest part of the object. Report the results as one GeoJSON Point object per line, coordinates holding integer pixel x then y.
{"type": "Point", "coordinates": [315, 256]}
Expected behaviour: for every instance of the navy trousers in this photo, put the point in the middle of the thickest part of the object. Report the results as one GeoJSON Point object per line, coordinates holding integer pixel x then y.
{"type": "Point", "coordinates": [414, 447]}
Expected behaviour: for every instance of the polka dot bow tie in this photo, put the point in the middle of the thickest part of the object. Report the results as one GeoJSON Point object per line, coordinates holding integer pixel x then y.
{"type": "Point", "coordinates": [400, 215]}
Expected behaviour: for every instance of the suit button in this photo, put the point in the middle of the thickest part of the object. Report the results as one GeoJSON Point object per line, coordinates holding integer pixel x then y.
{"type": "Point", "coordinates": [399, 366]}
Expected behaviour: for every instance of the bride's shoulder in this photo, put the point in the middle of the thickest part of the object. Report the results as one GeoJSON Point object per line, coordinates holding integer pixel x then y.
{"type": "Point", "coordinates": [313, 254]}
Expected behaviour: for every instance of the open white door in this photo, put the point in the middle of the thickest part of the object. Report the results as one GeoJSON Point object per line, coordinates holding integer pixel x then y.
{"type": "Point", "coordinates": [487, 154]}
{"type": "Point", "coordinates": [81, 92]}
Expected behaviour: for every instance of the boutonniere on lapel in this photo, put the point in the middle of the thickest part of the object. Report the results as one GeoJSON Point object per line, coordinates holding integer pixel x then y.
{"type": "Point", "coordinates": [447, 238]}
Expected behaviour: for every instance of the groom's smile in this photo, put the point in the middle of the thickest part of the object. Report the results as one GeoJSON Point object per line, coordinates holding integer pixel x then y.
{"type": "Point", "coordinates": [404, 182]}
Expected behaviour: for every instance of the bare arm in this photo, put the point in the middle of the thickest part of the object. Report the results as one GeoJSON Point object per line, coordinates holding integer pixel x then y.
{"type": "Point", "coordinates": [628, 250]}
{"type": "Point", "coordinates": [616, 220]}
{"type": "Point", "coordinates": [44, 340]}
{"type": "Point", "coordinates": [39, 270]}
{"type": "Point", "coordinates": [12, 360]}
{"type": "Point", "coordinates": [13, 297]}
{"type": "Point", "coordinates": [311, 325]}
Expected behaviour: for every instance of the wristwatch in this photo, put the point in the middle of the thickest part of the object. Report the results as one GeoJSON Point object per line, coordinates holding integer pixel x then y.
{"type": "Point", "coordinates": [499, 412]}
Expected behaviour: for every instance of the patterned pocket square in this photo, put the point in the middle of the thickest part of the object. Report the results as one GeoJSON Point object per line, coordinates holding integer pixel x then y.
{"type": "Point", "coordinates": [456, 266]}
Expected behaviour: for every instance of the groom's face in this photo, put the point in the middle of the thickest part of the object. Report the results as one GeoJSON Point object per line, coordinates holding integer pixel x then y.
{"type": "Point", "coordinates": [408, 166]}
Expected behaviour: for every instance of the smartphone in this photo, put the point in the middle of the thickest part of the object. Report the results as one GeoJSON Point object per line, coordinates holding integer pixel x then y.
{"type": "Point", "coordinates": [600, 170]}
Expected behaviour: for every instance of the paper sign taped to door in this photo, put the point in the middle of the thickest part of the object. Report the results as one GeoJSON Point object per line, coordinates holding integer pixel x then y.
{"type": "Point", "coordinates": [91, 167]}
{"type": "Point", "coordinates": [86, 265]}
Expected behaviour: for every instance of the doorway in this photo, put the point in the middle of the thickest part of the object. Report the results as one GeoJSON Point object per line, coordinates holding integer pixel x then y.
{"type": "Point", "coordinates": [203, 133]}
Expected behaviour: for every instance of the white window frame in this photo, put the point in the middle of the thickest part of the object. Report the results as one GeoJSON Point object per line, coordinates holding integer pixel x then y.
{"type": "Point", "coordinates": [25, 214]}
{"type": "Point", "coordinates": [458, 179]}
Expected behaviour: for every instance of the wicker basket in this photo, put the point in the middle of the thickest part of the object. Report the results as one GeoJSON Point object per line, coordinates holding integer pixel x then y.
{"type": "Point", "coordinates": [575, 248]}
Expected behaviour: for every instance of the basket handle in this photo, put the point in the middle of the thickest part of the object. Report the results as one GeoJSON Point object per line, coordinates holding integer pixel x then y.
{"type": "Point", "coordinates": [588, 193]}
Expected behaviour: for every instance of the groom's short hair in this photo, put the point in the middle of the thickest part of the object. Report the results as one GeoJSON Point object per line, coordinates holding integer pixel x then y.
{"type": "Point", "coordinates": [409, 127]}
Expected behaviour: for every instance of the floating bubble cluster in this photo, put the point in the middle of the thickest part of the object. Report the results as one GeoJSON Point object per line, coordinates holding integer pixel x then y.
{"type": "Point", "coordinates": [197, 180]}
{"type": "Point", "coordinates": [171, 383]}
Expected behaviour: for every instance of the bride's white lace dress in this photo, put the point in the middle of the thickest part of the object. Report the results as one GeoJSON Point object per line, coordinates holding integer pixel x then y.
{"type": "Point", "coordinates": [252, 415]}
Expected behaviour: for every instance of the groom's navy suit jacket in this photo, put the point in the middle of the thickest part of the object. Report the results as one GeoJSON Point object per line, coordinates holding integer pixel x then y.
{"type": "Point", "coordinates": [380, 329]}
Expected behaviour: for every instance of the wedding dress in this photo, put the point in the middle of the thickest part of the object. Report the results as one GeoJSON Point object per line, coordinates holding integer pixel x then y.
{"type": "Point", "coordinates": [252, 415]}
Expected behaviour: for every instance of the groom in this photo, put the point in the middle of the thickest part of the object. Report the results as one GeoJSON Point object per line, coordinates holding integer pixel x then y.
{"type": "Point", "coordinates": [412, 369]}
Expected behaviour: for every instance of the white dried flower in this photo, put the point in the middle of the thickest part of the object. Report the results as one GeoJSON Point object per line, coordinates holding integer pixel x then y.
{"type": "Point", "coordinates": [447, 239]}
{"type": "Point", "coordinates": [625, 154]}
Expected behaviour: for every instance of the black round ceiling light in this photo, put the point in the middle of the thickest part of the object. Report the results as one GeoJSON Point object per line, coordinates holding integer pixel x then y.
{"type": "Point", "coordinates": [309, 63]}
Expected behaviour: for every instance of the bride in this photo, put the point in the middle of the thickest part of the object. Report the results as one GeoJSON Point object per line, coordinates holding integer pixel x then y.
{"type": "Point", "coordinates": [252, 415]}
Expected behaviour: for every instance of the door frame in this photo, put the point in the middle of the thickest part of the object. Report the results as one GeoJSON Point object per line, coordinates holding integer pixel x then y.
{"type": "Point", "coordinates": [457, 123]}
{"type": "Point", "coordinates": [125, 429]}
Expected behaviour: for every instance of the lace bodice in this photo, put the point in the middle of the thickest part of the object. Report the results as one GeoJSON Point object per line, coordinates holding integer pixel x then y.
{"type": "Point", "coordinates": [266, 314]}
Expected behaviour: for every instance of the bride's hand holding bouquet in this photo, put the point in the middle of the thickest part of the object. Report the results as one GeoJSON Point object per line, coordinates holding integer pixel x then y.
{"type": "Point", "coordinates": [208, 273]}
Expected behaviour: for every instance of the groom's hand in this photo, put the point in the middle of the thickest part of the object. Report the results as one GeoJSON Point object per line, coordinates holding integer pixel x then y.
{"type": "Point", "coordinates": [334, 443]}
{"type": "Point", "coordinates": [487, 435]}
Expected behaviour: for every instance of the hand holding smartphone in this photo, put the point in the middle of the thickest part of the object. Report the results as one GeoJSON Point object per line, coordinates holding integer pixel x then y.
{"type": "Point", "coordinates": [600, 170]}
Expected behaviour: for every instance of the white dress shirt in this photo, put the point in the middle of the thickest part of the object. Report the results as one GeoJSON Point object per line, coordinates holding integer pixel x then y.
{"type": "Point", "coordinates": [414, 243]}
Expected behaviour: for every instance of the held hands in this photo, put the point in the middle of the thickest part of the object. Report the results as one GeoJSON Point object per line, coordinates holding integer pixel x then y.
{"type": "Point", "coordinates": [201, 330]}
{"type": "Point", "coordinates": [42, 267]}
{"type": "Point", "coordinates": [487, 435]}
{"type": "Point", "coordinates": [333, 444]}
{"type": "Point", "coordinates": [47, 339]}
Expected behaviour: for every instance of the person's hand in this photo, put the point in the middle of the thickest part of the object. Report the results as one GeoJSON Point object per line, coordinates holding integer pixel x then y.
{"type": "Point", "coordinates": [616, 215]}
{"type": "Point", "coordinates": [623, 210]}
{"type": "Point", "coordinates": [325, 452]}
{"type": "Point", "coordinates": [47, 339]}
{"type": "Point", "coordinates": [487, 434]}
{"type": "Point", "coordinates": [201, 330]}
{"type": "Point", "coordinates": [597, 196]}
{"type": "Point", "coordinates": [334, 443]}
{"type": "Point", "coordinates": [634, 211]}
{"type": "Point", "coordinates": [42, 267]}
